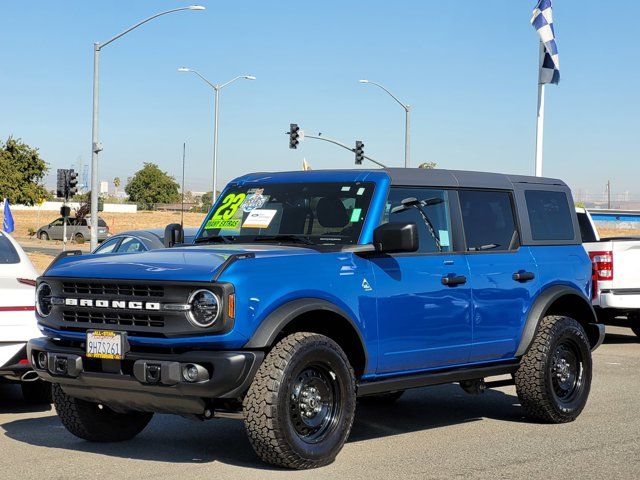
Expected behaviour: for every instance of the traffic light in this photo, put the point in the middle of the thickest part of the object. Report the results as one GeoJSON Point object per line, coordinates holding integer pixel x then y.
{"type": "Point", "coordinates": [61, 183]}
{"type": "Point", "coordinates": [294, 135]}
{"type": "Point", "coordinates": [72, 183]}
{"type": "Point", "coordinates": [359, 150]}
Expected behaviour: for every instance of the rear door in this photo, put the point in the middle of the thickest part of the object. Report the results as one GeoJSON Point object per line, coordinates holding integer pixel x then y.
{"type": "Point", "coordinates": [503, 273]}
{"type": "Point", "coordinates": [422, 323]}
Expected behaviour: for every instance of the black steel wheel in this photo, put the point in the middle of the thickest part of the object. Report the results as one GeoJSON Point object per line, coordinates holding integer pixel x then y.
{"type": "Point", "coordinates": [300, 406]}
{"type": "Point", "coordinates": [554, 377]}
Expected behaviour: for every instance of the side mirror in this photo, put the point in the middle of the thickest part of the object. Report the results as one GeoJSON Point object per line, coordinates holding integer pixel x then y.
{"type": "Point", "coordinates": [396, 237]}
{"type": "Point", "coordinates": [173, 234]}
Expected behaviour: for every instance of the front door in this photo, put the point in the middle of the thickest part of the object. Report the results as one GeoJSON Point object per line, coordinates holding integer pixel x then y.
{"type": "Point", "coordinates": [503, 274]}
{"type": "Point", "coordinates": [423, 323]}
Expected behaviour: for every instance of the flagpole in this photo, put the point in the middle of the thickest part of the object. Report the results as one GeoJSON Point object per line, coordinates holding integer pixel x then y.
{"type": "Point", "coordinates": [540, 117]}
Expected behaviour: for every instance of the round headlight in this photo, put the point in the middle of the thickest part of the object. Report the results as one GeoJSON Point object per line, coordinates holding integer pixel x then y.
{"type": "Point", "coordinates": [43, 299]}
{"type": "Point", "coordinates": [205, 308]}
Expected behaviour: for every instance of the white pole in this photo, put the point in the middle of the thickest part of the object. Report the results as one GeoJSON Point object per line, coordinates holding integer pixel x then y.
{"type": "Point", "coordinates": [540, 118]}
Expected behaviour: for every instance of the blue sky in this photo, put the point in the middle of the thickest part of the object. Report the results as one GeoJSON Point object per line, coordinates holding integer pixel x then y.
{"type": "Point", "coordinates": [468, 68]}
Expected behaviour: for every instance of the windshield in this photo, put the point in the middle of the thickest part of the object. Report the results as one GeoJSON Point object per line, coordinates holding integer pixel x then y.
{"type": "Point", "coordinates": [307, 213]}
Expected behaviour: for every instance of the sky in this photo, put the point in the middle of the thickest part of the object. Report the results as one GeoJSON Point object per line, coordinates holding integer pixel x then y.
{"type": "Point", "coordinates": [468, 69]}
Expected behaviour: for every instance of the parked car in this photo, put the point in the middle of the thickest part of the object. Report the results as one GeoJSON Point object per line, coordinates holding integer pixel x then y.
{"type": "Point", "coordinates": [136, 241]}
{"type": "Point", "coordinates": [78, 230]}
{"type": "Point", "coordinates": [18, 320]}
{"type": "Point", "coordinates": [616, 273]}
{"type": "Point", "coordinates": [305, 290]}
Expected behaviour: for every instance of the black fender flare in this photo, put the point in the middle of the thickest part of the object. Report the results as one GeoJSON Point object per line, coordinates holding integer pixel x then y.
{"type": "Point", "coordinates": [540, 307]}
{"type": "Point", "coordinates": [266, 334]}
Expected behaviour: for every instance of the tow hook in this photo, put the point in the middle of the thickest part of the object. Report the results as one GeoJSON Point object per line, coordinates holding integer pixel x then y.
{"type": "Point", "coordinates": [473, 387]}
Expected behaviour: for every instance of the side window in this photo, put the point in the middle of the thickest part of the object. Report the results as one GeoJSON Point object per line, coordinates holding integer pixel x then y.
{"type": "Point", "coordinates": [108, 246]}
{"type": "Point", "coordinates": [131, 245]}
{"type": "Point", "coordinates": [586, 230]}
{"type": "Point", "coordinates": [57, 223]}
{"type": "Point", "coordinates": [488, 220]}
{"type": "Point", "coordinates": [549, 215]}
{"type": "Point", "coordinates": [431, 207]}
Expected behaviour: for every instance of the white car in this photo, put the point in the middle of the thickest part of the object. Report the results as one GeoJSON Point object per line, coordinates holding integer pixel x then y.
{"type": "Point", "coordinates": [18, 320]}
{"type": "Point", "coordinates": [616, 273]}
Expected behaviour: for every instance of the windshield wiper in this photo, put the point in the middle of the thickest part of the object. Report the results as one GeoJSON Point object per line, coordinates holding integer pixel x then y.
{"type": "Point", "coordinates": [284, 237]}
{"type": "Point", "coordinates": [216, 239]}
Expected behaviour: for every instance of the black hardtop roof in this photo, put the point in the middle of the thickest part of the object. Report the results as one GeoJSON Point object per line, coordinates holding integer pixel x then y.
{"type": "Point", "coordinates": [419, 177]}
{"type": "Point", "coordinates": [425, 177]}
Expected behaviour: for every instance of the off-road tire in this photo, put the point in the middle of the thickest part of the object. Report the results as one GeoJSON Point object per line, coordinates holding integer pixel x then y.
{"type": "Point", "coordinates": [97, 423]}
{"type": "Point", "coordinates": [388, 398]}
{"type": "Point", "coordinates": [43, 236]}
{"type": "Point", "coordinates": [272, 415]}
{"type": "Point", "coordinates": [37, 391]}
{"type": "Point", "coordinates": [538, 377]}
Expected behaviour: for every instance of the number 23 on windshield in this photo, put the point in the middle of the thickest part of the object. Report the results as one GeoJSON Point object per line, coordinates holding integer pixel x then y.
{"type": "Point", "coordinates": [229, 206]}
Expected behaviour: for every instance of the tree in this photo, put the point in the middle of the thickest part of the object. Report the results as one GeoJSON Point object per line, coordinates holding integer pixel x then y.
{"type": "Point", "coordinates": [150, 186]}
{"type": "Point", "coordinates": [21, 173]}
{"type": "Point", "coordinates": [428, 165]}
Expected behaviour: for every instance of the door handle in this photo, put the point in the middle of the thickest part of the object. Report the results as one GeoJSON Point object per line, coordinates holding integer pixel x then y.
{"type": "Point", "coordinates": [523, 276]}
{"type": "Point", "coordinates": [453, 280]}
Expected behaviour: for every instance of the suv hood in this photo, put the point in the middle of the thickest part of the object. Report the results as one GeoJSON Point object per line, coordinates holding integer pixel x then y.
{"type": "Point", "coordinates": [193, 264]}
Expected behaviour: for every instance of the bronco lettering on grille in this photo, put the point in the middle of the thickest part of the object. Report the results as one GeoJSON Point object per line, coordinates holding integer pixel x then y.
{"type": "Point", "coordinates": [116, 304]}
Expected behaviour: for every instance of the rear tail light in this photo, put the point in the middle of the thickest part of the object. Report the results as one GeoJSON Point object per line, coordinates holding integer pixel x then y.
{"type": "Point", "coordinates": [27, 281]}
{"type": "Point", "coordinates": [602, 265]}
{"type": "Point", "coordinates": [601, 269]}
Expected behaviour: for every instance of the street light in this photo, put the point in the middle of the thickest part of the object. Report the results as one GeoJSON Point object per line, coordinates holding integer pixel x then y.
{"type": "Point", "coordinates": [216, 88]}
{"type": "Point", "coordinates": [96, 147]}
{"type": "Point", "coordinates": [407, 109]}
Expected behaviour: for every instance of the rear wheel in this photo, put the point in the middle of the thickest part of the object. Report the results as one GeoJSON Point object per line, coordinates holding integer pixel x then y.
{"type": "Point", "coordinates": [37, 391]}
{"type": "Point", "coordinates": [97, 423]}
{"type": "Point", "coordinates": [44, 236]}
{"type": "Point", "coordinates": [634, 319]}
{"type": "Point", "coordinates": [554, 377]}
{"type": "Point", "coordinates": [300, 407]}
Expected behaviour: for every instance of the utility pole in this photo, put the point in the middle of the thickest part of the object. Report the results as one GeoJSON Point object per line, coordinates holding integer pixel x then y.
{"type": "Point", "coordinates": [609, 194]}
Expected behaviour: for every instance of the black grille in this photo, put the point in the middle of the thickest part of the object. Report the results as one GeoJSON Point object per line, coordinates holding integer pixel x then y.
{"type": "Point", "coordinates": [113, 318]}
{"type": "Point", "coordinates": [117, 289]}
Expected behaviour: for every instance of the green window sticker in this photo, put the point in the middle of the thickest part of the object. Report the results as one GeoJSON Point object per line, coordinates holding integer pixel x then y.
{"type": "Point", "coordinates": [355, 215]}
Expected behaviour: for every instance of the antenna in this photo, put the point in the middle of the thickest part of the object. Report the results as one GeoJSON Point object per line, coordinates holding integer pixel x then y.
{"type": "Point", "coordinates": [184, 149]}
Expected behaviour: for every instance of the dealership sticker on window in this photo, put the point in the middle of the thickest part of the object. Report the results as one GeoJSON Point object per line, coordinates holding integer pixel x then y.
{"type": "Point", "coordinates": [233, 224]}
{"type": "Point", "coordinates": [444, 238]}
{"type": "Point", "coordinates": [259, 218]}
{"type": "Point", "coordinates": [355, 215]}
{"type": "Point", "coordinates": [257, 200]}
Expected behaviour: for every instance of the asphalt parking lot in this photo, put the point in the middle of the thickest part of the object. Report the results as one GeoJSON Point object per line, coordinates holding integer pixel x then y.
{"type": "Point", "coordinates": [430, 433]}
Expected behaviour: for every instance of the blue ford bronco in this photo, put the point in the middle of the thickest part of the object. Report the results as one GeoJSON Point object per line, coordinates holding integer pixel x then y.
{"type": "Point", "coordinates": [305, 292]}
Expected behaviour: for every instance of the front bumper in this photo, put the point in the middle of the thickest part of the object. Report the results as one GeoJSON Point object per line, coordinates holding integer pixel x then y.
{"type": "Point", "coordinates": [150, 382]}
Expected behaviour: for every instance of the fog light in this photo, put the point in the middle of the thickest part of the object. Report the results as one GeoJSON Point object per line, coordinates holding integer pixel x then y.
{"type": "Point", "coordinates": [192, 372]}
{"type": "Point", "coordinates": [42, 361]}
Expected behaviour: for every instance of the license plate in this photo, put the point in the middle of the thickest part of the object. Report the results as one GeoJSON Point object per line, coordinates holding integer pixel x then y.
{"type": "Point", "coordinates": [105, 344]}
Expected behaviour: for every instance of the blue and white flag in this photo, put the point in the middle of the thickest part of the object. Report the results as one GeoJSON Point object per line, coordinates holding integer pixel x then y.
{"type": "Point", "coordinates": [542, 21]}
{"type": "Point", "coordinates": [7, 223]}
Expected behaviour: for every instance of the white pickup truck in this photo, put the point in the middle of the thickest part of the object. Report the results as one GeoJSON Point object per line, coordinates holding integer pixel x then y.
{"type": "Point", "coordinates": [616, 273]}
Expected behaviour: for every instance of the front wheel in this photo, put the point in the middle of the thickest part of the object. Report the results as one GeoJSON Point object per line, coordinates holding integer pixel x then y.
{"type": "Point", "coordinates": [44, 236]}
{"type": "Point", "coordinates": [299, 409]}
{"type": "Point", "coordinates": [554, 377]}
{"type": "Point", "coordinates": [95, 422]}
